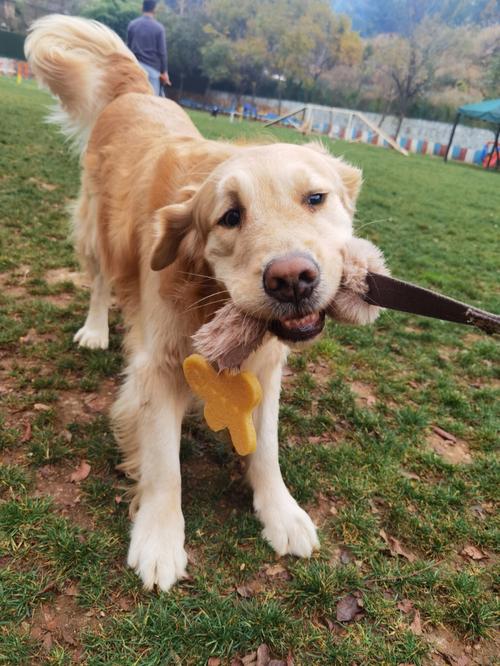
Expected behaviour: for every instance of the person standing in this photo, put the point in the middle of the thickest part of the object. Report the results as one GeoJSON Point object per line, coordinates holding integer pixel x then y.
{"type": "Point", "coordinates": [146, 39]}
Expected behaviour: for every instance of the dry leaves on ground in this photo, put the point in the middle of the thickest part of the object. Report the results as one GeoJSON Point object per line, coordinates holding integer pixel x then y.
{"type": "Point", "coordinates": [395, 547]}
{"type": "Point", "coordinates": [260, 657]}
{"type": "Point", "coordinates": [80, 473]}
{"type": "Point", "coordinates": [348, 608]}
{"type": "Point", "coordinates": [473, 553]}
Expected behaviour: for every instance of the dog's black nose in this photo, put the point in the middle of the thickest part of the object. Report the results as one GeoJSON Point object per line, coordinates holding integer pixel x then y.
{"type": "Point", "coordinates": [291, 278]}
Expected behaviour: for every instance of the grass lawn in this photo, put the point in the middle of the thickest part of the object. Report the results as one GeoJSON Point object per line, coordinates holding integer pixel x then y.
{"type": "Point", "coordinates": [406, 511]}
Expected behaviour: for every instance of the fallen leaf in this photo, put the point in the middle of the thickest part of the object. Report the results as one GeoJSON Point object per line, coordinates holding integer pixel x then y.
{"type": "Point", "coordinates": [263, 656]}
{"type": "Point", "coordinates": [416, 625]}
{"type": "Point", "coordinates": [71, 591]}
{"type": "Point", "coordinates": [462, 661]}
{"type": "Point", "coordinates": [27, 433]}
{"type": "Point", "coordinates": [333, 510]}
{"type": "Point", "coordinates": [276, 662]}
{"type": "Point", "coordinates": [40, 407]}
{"type": "Point", "coordinates": [455, 453]}
{"type": "Point", "coordinates": [290, 660]}
{"type": "Point", "coordinates": [36, 633]}
{"type": "Point", "coordinates": [96, 403]}
{"type": "Point", "coordinates": [236, 661]}
{"type": "Point", "coordinates": [405, 606]}
{"type": "Point", "coordinates": [249, 658]}
{"type": "Point", "coordinates": [67, 634]}
{"type": "Point", "coordinates": [276, 570]}
{"type": "Point", "coordinates": [244, 591]}
{"type": "Point", "coordinates": [329, 624]}
{"type": "Point", "coordinates": [345, 556]}
{"type": "Point", "coordinates": [47, 642]}
{"type": "Point", "coordinates": [474, 553]}
{"type": "Point", "coordinates": [348, 608]}
{"type": "Point", "coordinates": [410, 475]}
{"type": "Point", "coordinates": [80, 473]}
{"type": "Point", "coordinates": [395, 547]}
{"type": "Point", "coordinates": [125, 604]}
{"type": "Point", "coordinates": [443, 434]}
{"type": "Point", "coordinates": [214, 661]}
{"type": "Point", "coordinates": [29, 337]}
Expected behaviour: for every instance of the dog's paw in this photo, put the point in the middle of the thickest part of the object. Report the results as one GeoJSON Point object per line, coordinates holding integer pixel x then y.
{"type": "Point", "coordinates": [92, 338]}
{"type": "Point", "coordinates": [156, 550]}
{"type": "Point", "coordinates": [288, 528]}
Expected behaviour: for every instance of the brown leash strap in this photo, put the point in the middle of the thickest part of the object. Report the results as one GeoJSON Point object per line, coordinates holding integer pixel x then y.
{"type": "Point", "coordinates": [395, 294]}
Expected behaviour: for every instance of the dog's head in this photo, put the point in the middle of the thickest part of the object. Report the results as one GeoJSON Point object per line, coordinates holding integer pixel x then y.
{"type": "Point", "coordinates": [272, 221]}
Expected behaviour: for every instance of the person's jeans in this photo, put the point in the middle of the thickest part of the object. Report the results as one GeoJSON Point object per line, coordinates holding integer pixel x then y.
{"type": "Point", "coordinates": [153, 76]}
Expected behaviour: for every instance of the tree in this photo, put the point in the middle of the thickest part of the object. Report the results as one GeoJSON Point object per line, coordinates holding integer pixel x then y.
{"type": "Point", "coordinates": [373, 17]}
{"type": "Point", "coordinates": [217, 60]}
{"type": "Point", "coordinates": [409, 64]}
{"type": "Point", "coordinates": [332, 41]}
{"type": "Point", "coordinates": [116, 14]}
{"type": "Point", "coordinates": [185, 40]}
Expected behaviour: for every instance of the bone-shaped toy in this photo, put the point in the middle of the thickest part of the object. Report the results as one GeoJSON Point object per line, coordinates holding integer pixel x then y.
{"type": "Point", "coordinates": [229, 400]}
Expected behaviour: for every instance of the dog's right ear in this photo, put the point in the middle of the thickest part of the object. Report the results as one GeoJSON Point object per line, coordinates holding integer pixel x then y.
{"type": "Point", "coordinates": [173, 224]}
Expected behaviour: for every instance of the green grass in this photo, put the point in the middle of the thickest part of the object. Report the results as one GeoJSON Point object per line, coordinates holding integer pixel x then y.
{"type": "Point", "coordinates": [360, 466]}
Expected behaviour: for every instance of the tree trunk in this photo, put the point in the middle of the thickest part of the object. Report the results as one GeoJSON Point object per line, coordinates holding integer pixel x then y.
{"type": "Point", "coordinates": [400, 122]}
{"type": "Point", "coordinates": [280, 95]}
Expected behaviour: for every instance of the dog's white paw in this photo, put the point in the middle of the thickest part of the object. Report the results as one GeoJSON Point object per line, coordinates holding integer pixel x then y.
{"type": "Point", "coordinates": [288, 528]}
{"type": "Point", "coordinates": [156, 550]}
{"type": "Point", "coordinates": [92, 338]}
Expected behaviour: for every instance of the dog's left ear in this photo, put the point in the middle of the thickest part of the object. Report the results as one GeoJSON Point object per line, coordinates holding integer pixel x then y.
{"type": "Point", "coordinates": [352, 177]}
{"type": "Point", "coordinates": [173, 224]}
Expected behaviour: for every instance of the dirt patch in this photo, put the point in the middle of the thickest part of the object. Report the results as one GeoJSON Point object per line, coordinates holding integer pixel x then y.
{"type": "Point", "coordinates": [77, 406]}
{"type": "Point", "coordinates": [323, 509]}
{"type": "Point", "coordinates": [12, 283]}
{"type": "Point", "coordinates": [61, 622]}
{"type": "Point", "coordinates": [455, 452]}
{"type": "Point", "coordinates": [364, 396]}
{"type": "Point", "coordinates": [58, 275]}
{"type": "Point", "coordinates": [321, 371]}
{"type": "Point", "coordinates": [59, 300]}
{"type": "Point", "coordinates": [43, 185]}
{"type": "Point", "coordinates": [447, 649]}
{"type": "Point", "coordinates": [54, 482]}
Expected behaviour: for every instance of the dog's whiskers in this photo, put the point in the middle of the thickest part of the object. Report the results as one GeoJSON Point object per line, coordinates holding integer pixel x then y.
{"type": "Point", "coordinates": [205, 302]}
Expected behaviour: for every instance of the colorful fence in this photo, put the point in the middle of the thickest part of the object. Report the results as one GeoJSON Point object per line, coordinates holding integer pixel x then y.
{"type": "Point", "coordinates": [470, 155]}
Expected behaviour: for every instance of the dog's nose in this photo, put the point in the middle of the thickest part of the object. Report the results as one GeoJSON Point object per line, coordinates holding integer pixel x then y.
{"type": "Point", "coordinates": [291, 278]}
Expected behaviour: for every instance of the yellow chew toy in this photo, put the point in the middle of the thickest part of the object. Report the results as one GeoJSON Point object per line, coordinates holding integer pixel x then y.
{"type": "Point", "coordinates": [229, 400]}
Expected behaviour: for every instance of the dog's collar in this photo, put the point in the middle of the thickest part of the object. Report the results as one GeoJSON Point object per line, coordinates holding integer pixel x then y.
{"type": "Point", "coordinates": [395, 294]}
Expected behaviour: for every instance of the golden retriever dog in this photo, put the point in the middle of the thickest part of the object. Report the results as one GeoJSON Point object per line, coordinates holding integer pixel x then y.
{"type": "Point", "coordinates": [177, 225]}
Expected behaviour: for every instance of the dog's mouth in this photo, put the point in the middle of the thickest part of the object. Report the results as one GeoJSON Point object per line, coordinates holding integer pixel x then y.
{"type": "Point", "coordinates": [298, 329]}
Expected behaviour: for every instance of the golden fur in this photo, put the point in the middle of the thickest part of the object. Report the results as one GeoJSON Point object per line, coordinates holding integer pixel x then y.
{"type": "Point", "coordinates": [146, 223]}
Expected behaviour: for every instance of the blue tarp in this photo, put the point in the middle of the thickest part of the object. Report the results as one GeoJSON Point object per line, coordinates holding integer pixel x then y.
{"type": "Point", "coordinates": [489, 110]}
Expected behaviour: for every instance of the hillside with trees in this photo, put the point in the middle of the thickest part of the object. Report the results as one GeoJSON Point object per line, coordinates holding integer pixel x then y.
{"type": "Point", "coordinates": [406, 57]}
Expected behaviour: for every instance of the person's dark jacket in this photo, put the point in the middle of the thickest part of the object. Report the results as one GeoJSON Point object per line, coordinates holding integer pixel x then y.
{"type": "Point", "coordinates": [146, 40]}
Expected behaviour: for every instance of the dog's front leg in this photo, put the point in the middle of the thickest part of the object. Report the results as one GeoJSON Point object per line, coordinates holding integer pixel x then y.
{"type": "Point", "coordinates": [287, 527]}
{"type": "Point", "coordinates": [153, 405]}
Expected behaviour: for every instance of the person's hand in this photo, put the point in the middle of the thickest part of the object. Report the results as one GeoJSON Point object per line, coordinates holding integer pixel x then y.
{"type": "Point", "coordinates": [164, 78]}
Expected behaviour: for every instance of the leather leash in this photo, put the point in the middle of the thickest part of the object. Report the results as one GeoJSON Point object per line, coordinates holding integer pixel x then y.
{"type": "Point", "coordinates": [395, 294]}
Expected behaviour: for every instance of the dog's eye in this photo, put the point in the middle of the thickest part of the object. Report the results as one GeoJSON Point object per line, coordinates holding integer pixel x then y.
{"type": "Point", "coordinates": [231, 218]}
{"type": "Point", "coordinates": [316, 198]}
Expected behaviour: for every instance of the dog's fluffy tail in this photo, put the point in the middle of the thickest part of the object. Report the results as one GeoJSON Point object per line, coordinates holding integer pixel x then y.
{"type": "Point", "coordinates": [86, 65]}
